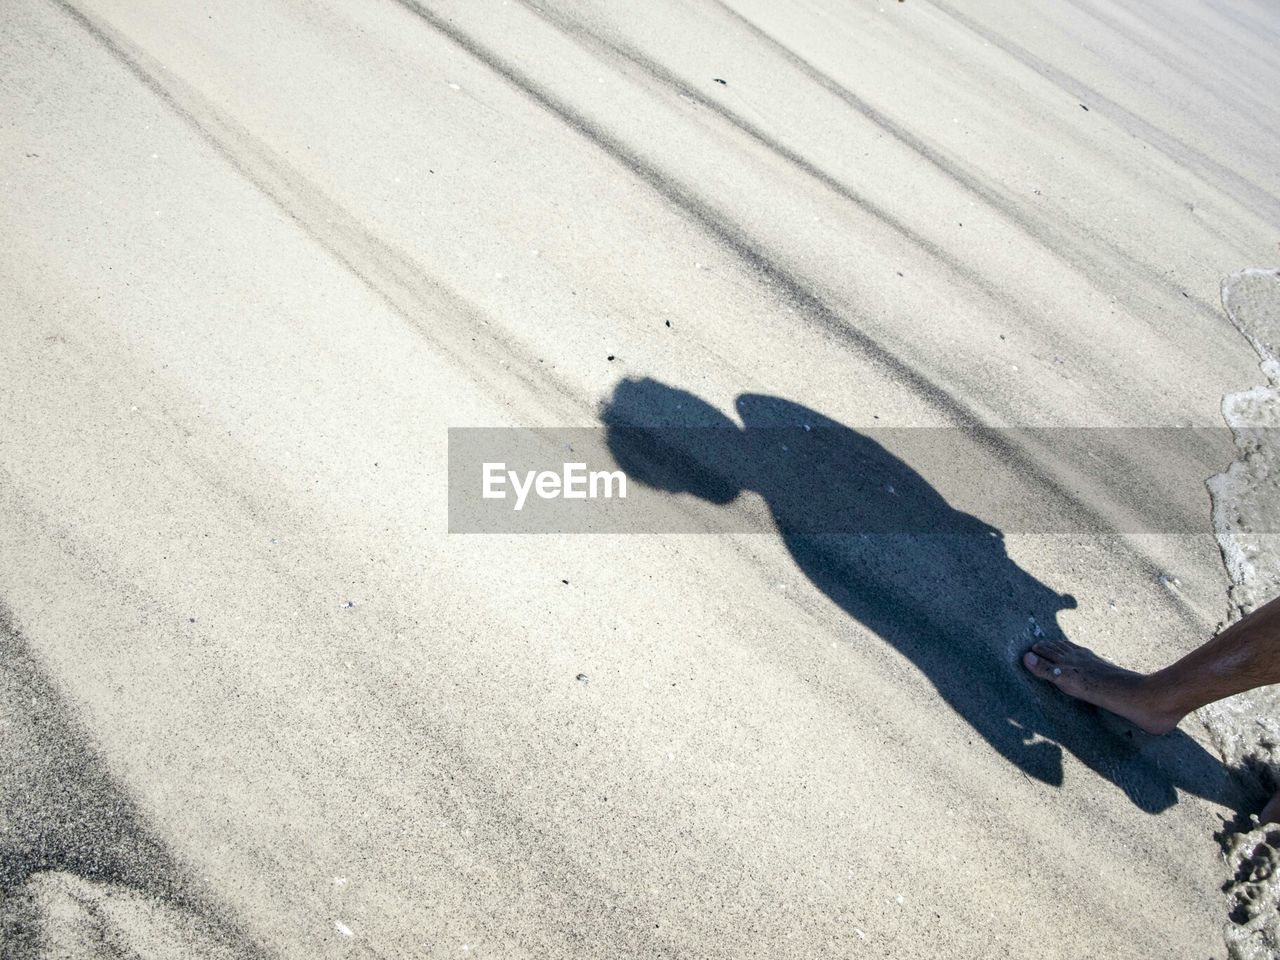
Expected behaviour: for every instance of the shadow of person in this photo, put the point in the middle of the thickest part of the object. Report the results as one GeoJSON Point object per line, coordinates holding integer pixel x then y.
{"type": "Point", "coordinates": [933, 581]}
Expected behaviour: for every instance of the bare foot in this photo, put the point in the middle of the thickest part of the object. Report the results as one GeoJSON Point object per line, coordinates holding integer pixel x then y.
{"type": "Point", "coordinates": [1082, 674]}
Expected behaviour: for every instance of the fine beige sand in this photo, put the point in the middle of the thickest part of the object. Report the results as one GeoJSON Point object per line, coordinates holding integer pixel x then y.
{"type": "Point", "coordinates": [257, 257]}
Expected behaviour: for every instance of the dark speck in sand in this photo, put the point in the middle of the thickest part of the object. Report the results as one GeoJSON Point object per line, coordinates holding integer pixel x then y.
{"type": "Point", "coordinates": [565, 582]}
{"type": "Point", "coordinates": [582, 678]}
{"type": "Point", "coordinates": [1084, 108]}
{"type": "Point", "coordinates": [668, 323]}
{"type": "Point", "coordinates": [610, 357]}
{"type": "Point", "coordinates": [723, 83]}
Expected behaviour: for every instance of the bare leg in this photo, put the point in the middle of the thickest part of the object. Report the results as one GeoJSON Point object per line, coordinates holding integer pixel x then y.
{"type": "Point", "coordinates": [1241, 657]}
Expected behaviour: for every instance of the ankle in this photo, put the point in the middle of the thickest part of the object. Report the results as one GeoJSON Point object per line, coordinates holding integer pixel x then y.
{"type": "Point", "coordinates": [1160, 702]}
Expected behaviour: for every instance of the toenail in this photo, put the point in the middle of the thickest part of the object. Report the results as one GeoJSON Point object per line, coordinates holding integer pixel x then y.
{"type": "Point", "coordinates": [1057, 671]}
{"type": "Point", "coordinates": [1032, 659]}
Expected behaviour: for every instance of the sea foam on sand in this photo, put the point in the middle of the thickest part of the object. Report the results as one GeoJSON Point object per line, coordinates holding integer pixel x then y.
{"type": "Point", "coordinates": [1246, 508]}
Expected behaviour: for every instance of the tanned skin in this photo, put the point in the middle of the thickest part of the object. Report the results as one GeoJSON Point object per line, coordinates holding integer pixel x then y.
{"type": "Point", "coordinates": [1241, 657]}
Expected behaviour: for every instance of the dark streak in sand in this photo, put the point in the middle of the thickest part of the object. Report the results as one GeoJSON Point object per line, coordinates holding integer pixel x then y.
{"type": "Point", "coordinates": [70, 818]}
{"type": "Point", "coordinates": [770, 271]}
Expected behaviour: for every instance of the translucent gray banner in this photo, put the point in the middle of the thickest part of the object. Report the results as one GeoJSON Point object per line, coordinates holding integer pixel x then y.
{"type": "Point", "coordinates": [822, 478]}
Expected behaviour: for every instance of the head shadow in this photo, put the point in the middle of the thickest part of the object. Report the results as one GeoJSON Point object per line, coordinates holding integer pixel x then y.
{"type": "Point", "coordinates": [937, 583]}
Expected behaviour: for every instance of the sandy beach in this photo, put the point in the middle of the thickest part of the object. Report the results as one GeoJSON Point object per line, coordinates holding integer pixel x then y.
{"type": "Point", "coordinates": [259, 258]}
